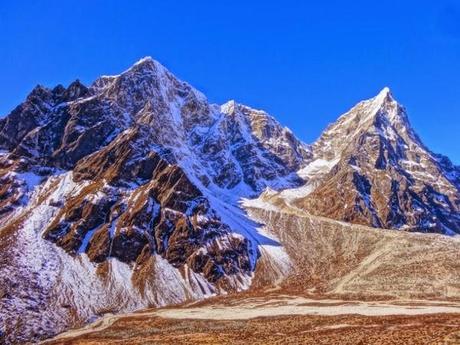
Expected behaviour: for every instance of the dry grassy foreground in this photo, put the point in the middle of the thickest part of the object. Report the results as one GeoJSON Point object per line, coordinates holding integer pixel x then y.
{"type": "Point", "coordinates": [278, 319]}
{"type": "Point", "coordinates": [344, 330]}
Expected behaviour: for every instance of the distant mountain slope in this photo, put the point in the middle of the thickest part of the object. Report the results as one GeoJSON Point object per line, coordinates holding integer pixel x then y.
{"type": "Point", "coordinates": [330, 257]}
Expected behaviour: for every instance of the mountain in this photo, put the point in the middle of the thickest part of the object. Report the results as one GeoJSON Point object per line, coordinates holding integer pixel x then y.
{"type": "Point", "coordinates": [371, 168]}
{"type": "Point", "coordinates": [128, 180]}
{"type": "Point", "coordinates": [128, 193]}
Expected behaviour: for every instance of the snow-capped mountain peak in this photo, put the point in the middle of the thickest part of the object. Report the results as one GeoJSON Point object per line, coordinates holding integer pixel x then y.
{"type": "Point", "coordinates": [381, 114]}
{"type": "Point", "coordinates": [145, 60]}
{"type": "Point", "coordinates": [383, 174]}
{"type": "Point", "coordinates": [385, 105]}
{"type": "Point", "coordinates": [229, 107]}
{"type": "Point", "coordinates": [384, 94]}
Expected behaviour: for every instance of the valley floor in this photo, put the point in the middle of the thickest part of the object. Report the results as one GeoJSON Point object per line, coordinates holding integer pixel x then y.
{"type": "Point", "coordinates": [279, 319]}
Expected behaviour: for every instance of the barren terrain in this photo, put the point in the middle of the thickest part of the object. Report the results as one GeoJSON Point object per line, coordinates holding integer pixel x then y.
{"type": "Point", "coordinates": [278, 319]}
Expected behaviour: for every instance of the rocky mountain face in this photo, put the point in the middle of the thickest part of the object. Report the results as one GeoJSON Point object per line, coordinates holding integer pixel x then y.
{"type": "Point", "coordinates": [125, 194]}
{"type": "Point", "coordinates": [130, 173]}
{"type": "Point", "coordinates": [377, 172]}
{"type": "Point", "coordinates": [146, 143]}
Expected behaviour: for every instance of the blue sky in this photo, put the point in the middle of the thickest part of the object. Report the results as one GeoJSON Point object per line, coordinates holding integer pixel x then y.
{"type": "Point", "coordinates": [305, 62]}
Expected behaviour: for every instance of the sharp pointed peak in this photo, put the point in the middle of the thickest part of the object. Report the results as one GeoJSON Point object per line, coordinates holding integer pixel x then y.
{"type": "Point", "coordinates": [145, 59]}
{"type": "Point", "coordinates": [384, 104]}
{"type": "Point", "coordinates": [232, 105]}
{"type": "Point", "coordinates": [147, 64]}
{"type": "Point", "coordinates": [230, 102]}
{"type": "Point", "coordinates": [385, 91]}
{"type": "Point", "coordinates": [366, 112]}
{"type": "Point", "coordinates": [39, 91]}
{"type": "Point", "coordinates": [385, 95]}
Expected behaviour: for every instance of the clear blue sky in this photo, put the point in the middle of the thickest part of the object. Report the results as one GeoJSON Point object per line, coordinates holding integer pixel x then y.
{"type": "Point", "coordinates": [305, 62]}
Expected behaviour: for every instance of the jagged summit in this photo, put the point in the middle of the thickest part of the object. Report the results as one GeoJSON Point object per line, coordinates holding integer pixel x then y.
{"type": "Point", "coordinates": [229, 107]}
{"type": "Point", "coordinates": [384, 93]}
{"type": "Point", "coordinates": [232, 106]}
{"type": "Point", "coordinates": [384, 104]}
{"type": "Point", "coordinates": [145, 60]}
{"type": "Point", "coordinates": [381, 104]}
{"type": "Point", "coordinates": [147, 65]}
{"type": "Point", "coordinates": [145, 81]}
{"type": "Point", "coordinates": [144, 67]}
{"type": "Point", "coordinates": [381, 115]}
